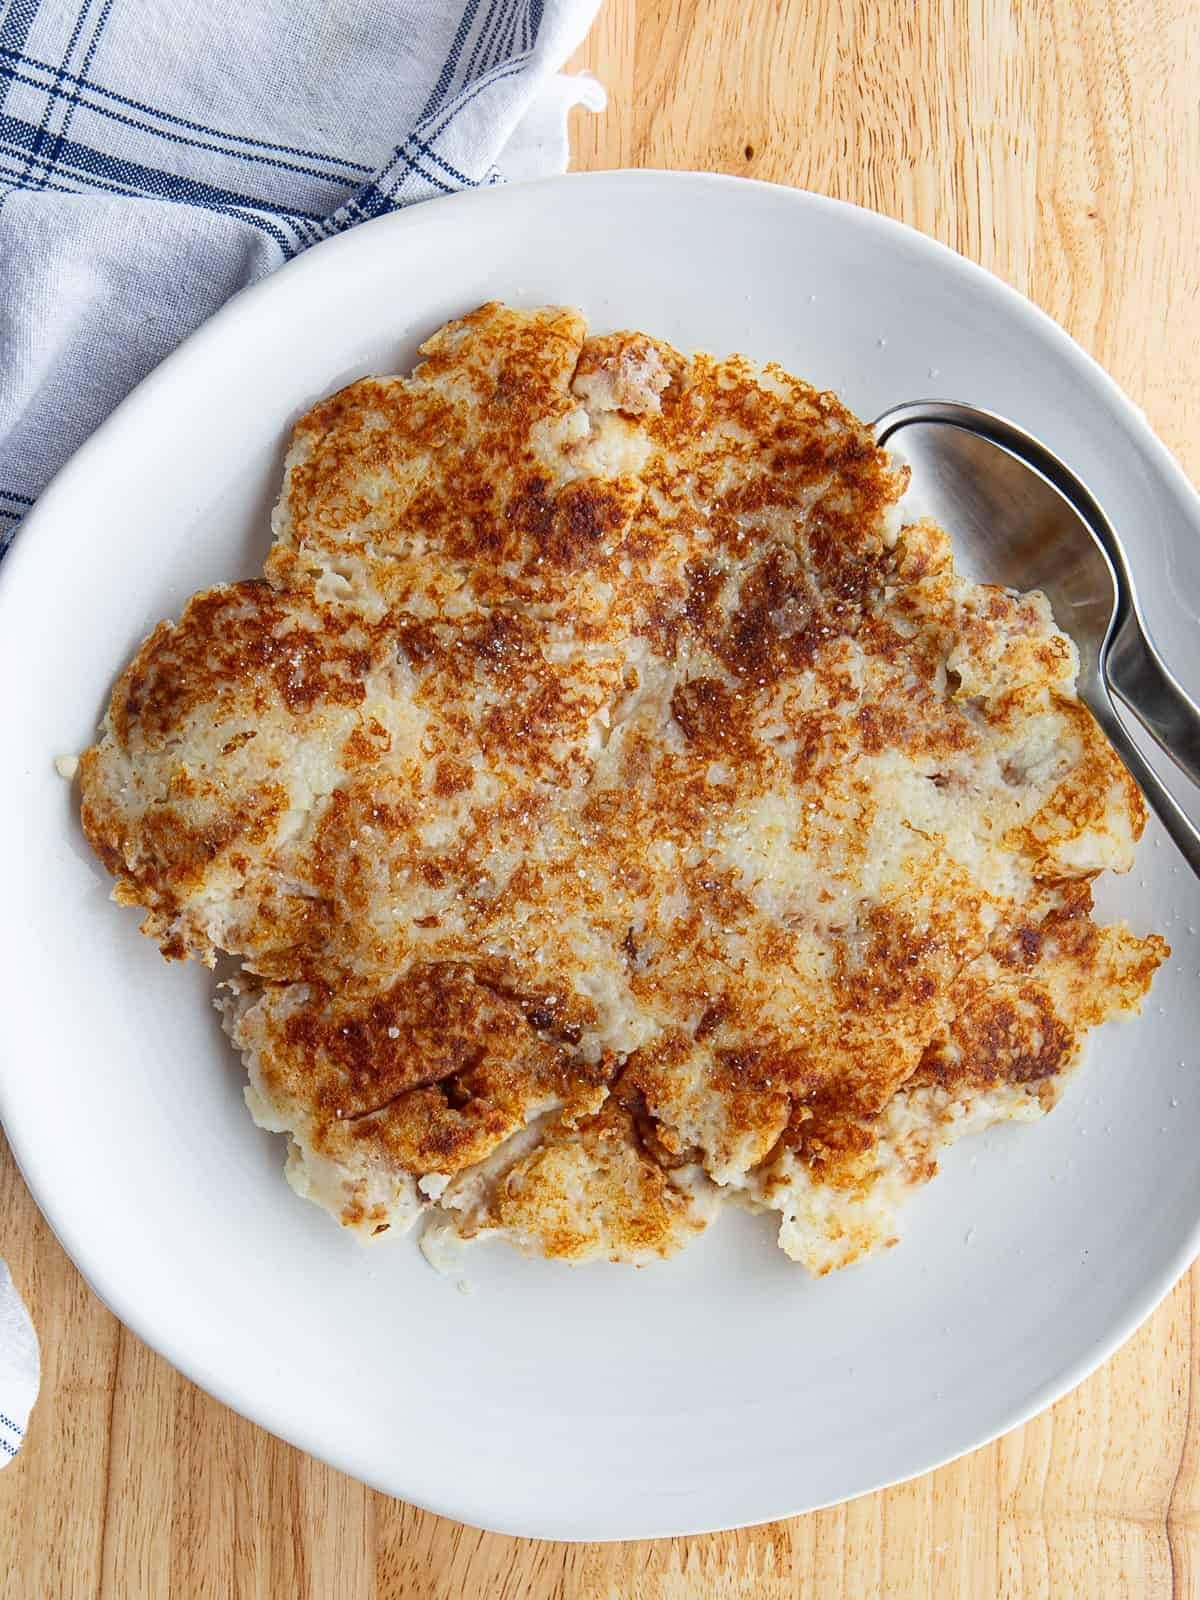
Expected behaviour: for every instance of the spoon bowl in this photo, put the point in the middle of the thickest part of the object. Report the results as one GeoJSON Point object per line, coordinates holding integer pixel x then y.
{"type": "Point", "coordinates": [1020, 518]}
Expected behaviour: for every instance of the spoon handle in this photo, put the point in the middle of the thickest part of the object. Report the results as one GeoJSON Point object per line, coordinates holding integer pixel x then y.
{"type": "Point", "coordinates": [1136, 672]}
{"type": "Point", "coordinates": [1174, 819]}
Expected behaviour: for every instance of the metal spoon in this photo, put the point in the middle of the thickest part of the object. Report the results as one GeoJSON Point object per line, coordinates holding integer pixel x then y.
{"type": "Point", "coordinates": [1018, 517]}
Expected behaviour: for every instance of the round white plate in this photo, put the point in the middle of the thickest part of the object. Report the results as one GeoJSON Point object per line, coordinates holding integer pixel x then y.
{"type": "Point", "coordinates": [722, 1388]}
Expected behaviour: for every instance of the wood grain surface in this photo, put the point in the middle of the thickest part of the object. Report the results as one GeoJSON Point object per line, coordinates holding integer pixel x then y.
{"type": "Point", "coordinates": [1059, 144]}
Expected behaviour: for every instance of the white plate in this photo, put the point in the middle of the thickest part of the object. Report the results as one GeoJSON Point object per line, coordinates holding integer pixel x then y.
{"type": "Point", "coordinates": [722, 1388]}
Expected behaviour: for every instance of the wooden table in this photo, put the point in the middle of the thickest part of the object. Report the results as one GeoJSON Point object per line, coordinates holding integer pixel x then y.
{"type": "Point", "coordinates": [1059, 144]}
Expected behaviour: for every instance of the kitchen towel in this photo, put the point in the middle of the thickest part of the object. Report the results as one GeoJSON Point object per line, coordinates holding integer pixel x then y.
{"type": "Point", "coordinates": [158, 155]}
{"type": "Point", "coordinates": [19, 1367]}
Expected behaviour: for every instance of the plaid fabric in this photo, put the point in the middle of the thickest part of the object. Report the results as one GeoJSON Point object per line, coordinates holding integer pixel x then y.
{"type": "Point", "coordinates": [157, 155]}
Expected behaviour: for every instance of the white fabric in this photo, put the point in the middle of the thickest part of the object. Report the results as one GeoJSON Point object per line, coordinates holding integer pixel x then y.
{"type": "Point", "coordinates": [158, 155]}
{"type": "Point", "coordinates": [20, 1368]}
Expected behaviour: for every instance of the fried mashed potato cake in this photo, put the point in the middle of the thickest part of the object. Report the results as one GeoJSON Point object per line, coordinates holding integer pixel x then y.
{"type": "Point", "coordinates": [615, 808]}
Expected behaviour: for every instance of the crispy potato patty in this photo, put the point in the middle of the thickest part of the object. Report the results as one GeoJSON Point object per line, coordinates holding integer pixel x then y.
{"type": "Point", "coordinates": [615, 807]}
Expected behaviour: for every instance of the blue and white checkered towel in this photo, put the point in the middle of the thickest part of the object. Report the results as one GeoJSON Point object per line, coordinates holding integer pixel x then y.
{"type": "Point", "coordinates": [157, 155]}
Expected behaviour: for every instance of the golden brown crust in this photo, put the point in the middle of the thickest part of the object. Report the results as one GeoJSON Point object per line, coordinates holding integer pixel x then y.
{"type": "Point", "coordinates": [598, 731]}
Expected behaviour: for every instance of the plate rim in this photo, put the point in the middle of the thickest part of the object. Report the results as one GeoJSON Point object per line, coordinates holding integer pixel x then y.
{"type": "Point", "coordinates": [216, 329]}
